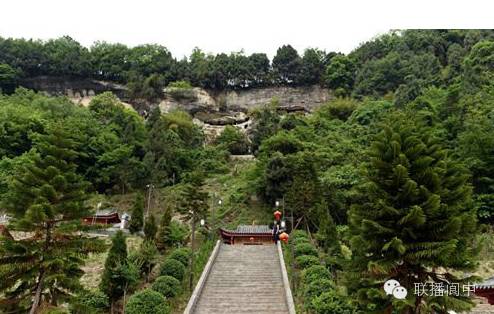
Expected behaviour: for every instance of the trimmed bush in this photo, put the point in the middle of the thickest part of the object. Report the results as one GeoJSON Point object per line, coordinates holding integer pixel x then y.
{"type": "Point", "coordinates": [168, 286]}
{"type": "Point", "coordinates": [314, 273]}
{"type": "Point", "coordinates": [182, 255]}
{"type": "Point", "coordinates": [147, 302]}
{"type": "Point", "coordinates": [330, 302]}
{"type": "Point", "coordinates": [305, 249]}
{"type": "Point", "coordinates": [306, 261]}
{"type": "Point", "coordinates": [174, 268]}
{"type": "Point", "coordinates": [299, 234]}
{"type": "Point", "coordinates": [317, 287]}
{"type": "Point", "coordinates": [90, 302]}
{"type": "Point", "coordinates": [298, 241]}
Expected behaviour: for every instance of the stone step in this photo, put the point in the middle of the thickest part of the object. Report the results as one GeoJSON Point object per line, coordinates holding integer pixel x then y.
{"type": "Point", "coordinates": [244, 279]}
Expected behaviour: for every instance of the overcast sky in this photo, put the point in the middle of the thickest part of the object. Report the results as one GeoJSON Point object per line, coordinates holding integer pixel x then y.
{"type": "Point", "coordinates": [231, 25]}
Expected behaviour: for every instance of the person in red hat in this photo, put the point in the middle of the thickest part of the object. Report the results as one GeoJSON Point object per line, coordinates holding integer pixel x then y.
{"type": "Point", "coordinates": [277, 215]}
{"type": "Point", "coordinates": [276, 226]}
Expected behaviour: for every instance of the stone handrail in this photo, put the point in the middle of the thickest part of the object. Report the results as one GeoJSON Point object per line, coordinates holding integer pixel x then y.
{"type": "Point", "coordinates": [204, 276]}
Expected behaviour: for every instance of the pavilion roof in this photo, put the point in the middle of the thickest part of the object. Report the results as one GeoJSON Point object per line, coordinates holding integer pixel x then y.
{"type": "Point", "coordinates": [488, 284]}
{"type": "Point", "coordinates": [252, 229]}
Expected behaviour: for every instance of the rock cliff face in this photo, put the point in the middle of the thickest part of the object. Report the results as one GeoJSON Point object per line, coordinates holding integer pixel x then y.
{"type": "Point", "coordinates": [212, 110]}
{"type": "Point", "coordinates": [72, 87]}
{"type": "Point", "coordinates": [195, 100]}
{"type": "Point", "coordinates": [290, 98]}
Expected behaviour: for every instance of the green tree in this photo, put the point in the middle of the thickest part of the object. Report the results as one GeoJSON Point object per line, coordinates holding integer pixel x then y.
{"type": "Point", "coordinates": [47, 199]}
{"type": "Point", "coordinates": [287, 65]}
{"type": "Point", "coordinates": [327, 236]}
{"type": "Point", "coordinates": [260, 69]}
{"type": "Point", "coordinates": [313, 66]}
{"type": "Point", "coordinates": [8, 78]}
{"type": "Point", "coordinates": [117, 274]}
{"type": "Point", "coordinates": [109, 61]}
{"type": "Point", "coordinates": [163, 234]}
{"type": "Point", "coordinates": [136, 219]}
{"type": "Point", "coordinates": [233, 140]}
{"type": "Point", "coordinates": [145, 258]}
{"type": "Point", "coordinates": [340, 74]}
{"type": "Point", "coordinates": [266, 123]}
{"type": "Point", "coordinates": [479, 65]}
{"type": "Point", "coordinates": [67, 57]}
{"type": "Point", "coordinates": [476, 147]}
{"type": "Point", "coordinates": [416, 218]}
{"type": "Point", "coordinates": [150, 228]}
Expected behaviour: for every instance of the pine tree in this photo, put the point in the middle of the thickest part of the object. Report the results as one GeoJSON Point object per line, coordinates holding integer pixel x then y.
{"type": "Point", "coordinates": [162, 237]}
{"type": "Point", "coordinates": [327, 235]}
{"type": "Point", "coordinates": [113, 274]}
{"type": "Point", "coordinates": [136, 220]}
{"type": "Point", "coordinates": [415, 224]}
{"type": "Point", "coordinates": [47, 200]}
{"type": "Point", "coordinates": [150, 228]}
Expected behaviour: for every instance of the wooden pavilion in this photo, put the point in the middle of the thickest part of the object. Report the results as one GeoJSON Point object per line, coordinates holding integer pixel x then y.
{"type": "Point", "coordinates": [248, 235]}
{"type": "Point", "coordinates": [104, 217]}
{"type": "Point", "coordinates": [486, 290]}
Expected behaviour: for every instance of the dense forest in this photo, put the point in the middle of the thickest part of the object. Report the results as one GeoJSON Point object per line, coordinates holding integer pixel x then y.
{"type": "Point", "coordinates": [392, 178]}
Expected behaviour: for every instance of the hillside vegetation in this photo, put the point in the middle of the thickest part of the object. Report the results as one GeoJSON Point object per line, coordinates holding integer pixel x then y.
{"type": "Point", "coordinates": [392, 179]}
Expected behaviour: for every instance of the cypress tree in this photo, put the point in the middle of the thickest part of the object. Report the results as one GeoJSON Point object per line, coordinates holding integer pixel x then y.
{"type": "Point", "coordinates": [136, 220]}
{"type": "Point", "coordinates": [116, 259]}
{"type": "Point", "coordinates": [327, 235]}
{"type": "Point", "coordinates": [150, 228]}
{"type": "Point", "coordinates": [47, 200]}
{"type": "Point", "coordinates": [162, 237]}
{"type": "Point", "coordinates": [415, 224]}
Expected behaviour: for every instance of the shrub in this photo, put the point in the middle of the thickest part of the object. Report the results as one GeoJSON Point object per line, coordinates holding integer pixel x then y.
{"type": "Point", "coordinates": [54, 310]}
{"type": "Point", "coordinates": [168, 286]}
{"type": "Point", "coordinates": [330, 302]}
{"type": "Point", "coordinates": [177, 235]}
{"type": "Point", "coordinates": [306, 261]}
{"type": "Point", "coordinates": [341, 108]}
{"type": "Point", "coordinates": [180, 84]}
{"type": "Point", "coordinates": [300, 240]}
{"type": "Point", "coordinates": [90, 302]}
{"type": "Point", "coordinates": [181, 90]}
{"type": "Point", "coordinates": [147, 302]}
{"type": "Point", "coordinates": [173, 268]}
{"type": "Point", "coordinates": [296, 234]}
{"type": "Point", "coordinates": [233, 140]}
{"type": "Point", "coordinates": [314, 273]}
{"type": "Point", "coordinates": [305, 249]}
{"type": "Point", "coordinates": [182, 255]}
{"type": "Point", "coordinates": [317, 287]}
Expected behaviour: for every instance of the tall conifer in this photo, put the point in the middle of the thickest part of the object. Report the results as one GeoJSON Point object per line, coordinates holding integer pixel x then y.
{"type": "Point", "coordinates": [47, 200]}
{"type": "Point", "coordinates": [416, 223]}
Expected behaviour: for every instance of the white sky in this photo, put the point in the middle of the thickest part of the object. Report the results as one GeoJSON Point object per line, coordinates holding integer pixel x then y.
{"type": "Point", "coordinates": [231, 25]}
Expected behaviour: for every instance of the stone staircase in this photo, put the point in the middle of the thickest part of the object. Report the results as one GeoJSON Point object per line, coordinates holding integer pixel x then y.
{"type": "Point", "coordinates": [244, 279]}
{"type": "Point", "coordinates": [482, 307]}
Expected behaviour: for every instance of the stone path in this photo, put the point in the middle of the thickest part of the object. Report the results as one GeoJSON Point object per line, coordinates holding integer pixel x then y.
{"type": "Point", "coordinates": [244, 279]}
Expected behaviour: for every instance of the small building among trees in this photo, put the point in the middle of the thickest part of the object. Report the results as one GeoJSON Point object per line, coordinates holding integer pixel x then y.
{"type": "Point", "coordinates": [103, 217]}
